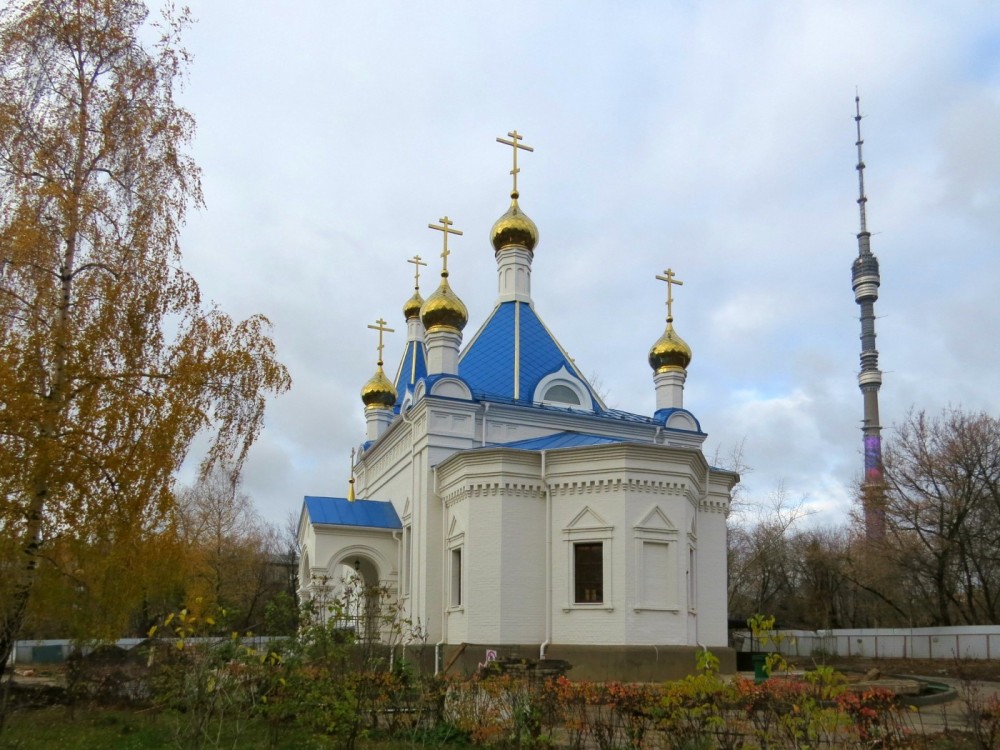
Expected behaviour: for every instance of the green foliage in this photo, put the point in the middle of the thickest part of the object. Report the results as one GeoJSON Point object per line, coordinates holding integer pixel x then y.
{"type": "Point", "coordinates": [91, 730]}
{"type": "Point", "coordinates": [340, 679]}
{"type": "Point", "coordinates": [212, 687]}
{"type": "Point", "coordinates": [281, 615]}
{"type": "Point", "coordinates": [104, 729]}
{"type": "Point", "coordinates": [764, 635]}
{"type": "Point", "coordinates": [707, 662]}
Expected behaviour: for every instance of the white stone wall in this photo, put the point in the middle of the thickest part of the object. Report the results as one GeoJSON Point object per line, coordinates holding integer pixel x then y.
{"type": "Point", "coordinates": [648, 504]}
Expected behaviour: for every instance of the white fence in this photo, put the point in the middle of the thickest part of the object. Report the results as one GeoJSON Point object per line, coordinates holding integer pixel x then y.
{"type": "Point", "coordinates": [54, 651]}
{"type": "Point", "coordinates": [963, 642]}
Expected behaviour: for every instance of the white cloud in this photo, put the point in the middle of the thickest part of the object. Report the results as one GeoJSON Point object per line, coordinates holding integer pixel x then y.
{"type": "Point", "coordinates": [714, 138]}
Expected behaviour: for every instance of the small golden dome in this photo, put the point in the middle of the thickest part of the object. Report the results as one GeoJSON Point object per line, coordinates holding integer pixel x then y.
{"type": "Point", "coordinates": [411, 309]}
{"type": "Point", "coordinates": [444, 309]}
{"type": "Point", "coordinates": [669, 352]}
{"type": "Point", "coordinates": [378, 393]}
{"type": "Point", "coordinates": [514, 228]}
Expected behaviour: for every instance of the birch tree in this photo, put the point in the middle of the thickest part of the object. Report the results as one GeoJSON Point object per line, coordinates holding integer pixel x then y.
{"type": "Point", "coordinates": [110, 363]}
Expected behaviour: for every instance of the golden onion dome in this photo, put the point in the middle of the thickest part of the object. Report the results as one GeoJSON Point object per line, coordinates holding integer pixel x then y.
{"type": "Point", "coordinates": [514, 229]}
{"type": "Point", "coordinates": [669, 352]}
{"type": "Point", "coordinates": [411, 309]}
{"type": "Point", "coordinates": [444, 309]}
{"type": "Point", "coordinates": [379, 392]}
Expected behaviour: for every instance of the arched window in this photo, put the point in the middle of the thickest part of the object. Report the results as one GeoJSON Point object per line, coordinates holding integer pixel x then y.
{"type": "Point", "coordinates": [563, 388]}
{"type": "Point", "coordinates": [561, 393]}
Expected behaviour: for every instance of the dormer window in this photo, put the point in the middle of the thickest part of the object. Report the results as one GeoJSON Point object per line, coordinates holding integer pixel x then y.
{"type": "Point", "coordinates": [564, 389]}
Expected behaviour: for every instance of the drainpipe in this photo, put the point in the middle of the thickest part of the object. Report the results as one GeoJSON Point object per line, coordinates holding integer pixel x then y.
{"type": "Point", "coordinates": [486, 411]}
{"type": "Point", "coordinates": [444, 599]}
{"type": "Point", "coordinates": [656, 436]}
{"type": "Point", "coordinates": [548, 563]}
{"type": "Point", "coordinates": [414, 515]}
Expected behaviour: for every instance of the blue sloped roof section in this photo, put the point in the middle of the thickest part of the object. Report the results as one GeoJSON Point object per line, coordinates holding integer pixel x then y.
{"type": "Point", "coordinates": [488, 364]}
{"type": "Point", "coordinates": [560, 440]}
{"type": "Point", "coordinates": [412, 368]}
{"type": "Point", "coordinates": [540, 354]}
{"type": "Point", "coordinates": [339, 511]}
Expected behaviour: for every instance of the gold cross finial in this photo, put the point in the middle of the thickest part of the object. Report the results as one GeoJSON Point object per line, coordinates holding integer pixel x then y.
{"type": "Point", "coordinates": [417, 262]}
{"type": "Point", "coordinates": [350, 490]}
{"type": "Point", "coordinates": [515, 145]}
{"type": "Point", "coordinates": [381, 328]}
{"type": "Point", "coordinates": [669, 278]}
{"type": "Point", "coordinates": [445, 227]}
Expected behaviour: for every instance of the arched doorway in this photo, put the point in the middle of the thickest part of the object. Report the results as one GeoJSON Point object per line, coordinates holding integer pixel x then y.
{"type": "Point", "coordinates": [357, 598]}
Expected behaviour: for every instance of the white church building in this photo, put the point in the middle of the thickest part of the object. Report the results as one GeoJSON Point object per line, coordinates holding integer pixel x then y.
{"type": "Point", "coordinates": [507, 509]}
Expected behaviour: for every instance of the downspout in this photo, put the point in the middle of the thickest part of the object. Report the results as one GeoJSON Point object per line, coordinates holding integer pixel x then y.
{"type": "Point", "coordinates": [697, 585]}
{"type": "Point", "coordinates": [656, 436]}
{"type": "Point", "coordinates": [412, 589]}
{"type": "Point", "coordinates": [486, 411]}
{"type": "Point", "coordinates": [548, 563]}
{"type": "Point", "coordinates": [444, 599]}
{"type": "Point", "coordinates": [397, 537]}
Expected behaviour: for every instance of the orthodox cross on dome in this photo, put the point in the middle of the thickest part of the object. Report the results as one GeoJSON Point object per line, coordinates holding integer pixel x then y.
{"type": "Point", "coordinates": [417, 262]}
{"type": "Point", "coordinates": [515, 137]}
{"type": "Point", "coordinates": [669, 278]}
{"type": "Point", "coordinates": [381, 328]}
{"type": "Point", "coordinates": [445, 227]}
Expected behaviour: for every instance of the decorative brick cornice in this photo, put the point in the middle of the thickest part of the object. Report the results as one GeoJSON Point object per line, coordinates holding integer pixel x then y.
{"type": "Point", "coordinates": [617, 485]}
{"type": "Point", "coordinates": [530, 490]}
{"type": "Point", "coordinates": [713, 505]}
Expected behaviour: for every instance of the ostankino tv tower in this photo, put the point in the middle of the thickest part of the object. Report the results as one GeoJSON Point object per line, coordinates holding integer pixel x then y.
{"type": "Point", "coordinates": [865, 281]}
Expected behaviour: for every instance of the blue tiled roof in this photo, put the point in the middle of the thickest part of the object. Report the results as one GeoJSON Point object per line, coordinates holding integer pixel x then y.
{"type": "Point", "coordinates": [560, 440]}
{"type": "Point", "coordinates": [340, 511]}
{"type": "Point", "coordinates": [412, 367]}
{"type": "Point", "coordinates": [489, 362]}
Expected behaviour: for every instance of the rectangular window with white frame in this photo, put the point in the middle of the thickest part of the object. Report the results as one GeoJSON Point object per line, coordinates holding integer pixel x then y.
{"type": "Point", "coordinates": [655, 575]}
{"type": "Point", "coordinates": [588, 562]}
{"type": "Point", "coordinates": [588, 573]}
{"type": "Point", "coordinates": [657, 565]}
{"type": "Point", "coordinates": [456, 577]}
{"type": "Point", "coordinates": [407, 562]}
{"type": "Point", "coordinates": [692, 579]}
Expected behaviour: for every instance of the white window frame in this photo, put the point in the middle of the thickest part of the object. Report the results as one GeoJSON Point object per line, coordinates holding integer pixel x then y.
{"type": "Point", "coordinates": [669, 537]}
{"type": "Point", "coordinates": [593, 534]}
{"type": "Point", "coordinates": [692, 580]}
{"type": "Point", "coordinates": [407, 556]}
{"type": "Point", "coordinates": [456, 543]}
{"type": "Point", "coordinates": [456, 582]}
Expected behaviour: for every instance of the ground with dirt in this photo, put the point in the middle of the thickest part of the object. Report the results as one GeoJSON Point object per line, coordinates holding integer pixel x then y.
{"type": "Point", "coordinates": [980, 670]}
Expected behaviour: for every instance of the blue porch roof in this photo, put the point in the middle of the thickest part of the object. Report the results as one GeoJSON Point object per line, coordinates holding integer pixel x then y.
{"type": "Point", "coordinates": [339, 511]}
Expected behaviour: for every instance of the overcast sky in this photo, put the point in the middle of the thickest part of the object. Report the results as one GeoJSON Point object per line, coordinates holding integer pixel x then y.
{"type": "Point", "coordinates": [715, 138]}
